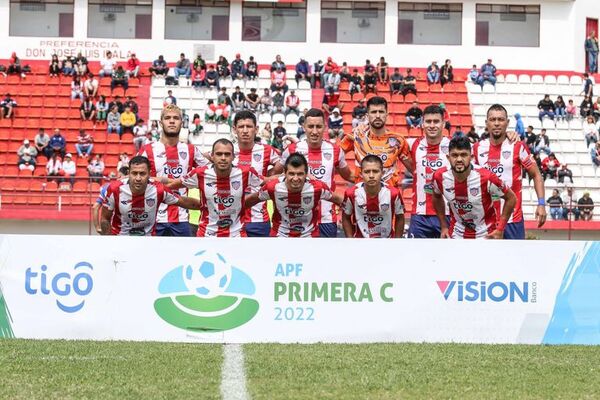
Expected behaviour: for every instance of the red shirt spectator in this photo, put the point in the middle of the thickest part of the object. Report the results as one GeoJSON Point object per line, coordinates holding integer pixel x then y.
{"type": "Point", "coordinates": [330, 66]}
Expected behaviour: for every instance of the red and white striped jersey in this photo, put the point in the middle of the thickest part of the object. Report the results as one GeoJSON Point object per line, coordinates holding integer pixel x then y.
{"type": "Point", "coordinates": [427, 159]}
{"type": "Point", "coordinates": [222, 199]}
{"type": "Point", "coordinates": [322, 164]}
{"type": "Point", "coordinates": [373, 216]}
{"type": "Point", "coordinates": [507, 161]}
{"type": "Point", "coordinates": [136, 214]}
{"type": "Point", "coordinates": [295, 214]}
{"type": "Point", "coordinates": [471, 202]}
{"type": "Point", "coordinates": [172, 162]}
{"type": "Point", "coordinates": [260, 158]}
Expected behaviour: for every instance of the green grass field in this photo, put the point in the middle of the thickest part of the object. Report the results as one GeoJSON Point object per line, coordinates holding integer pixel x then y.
{"type": "Point", "coordinates": [119, 370]}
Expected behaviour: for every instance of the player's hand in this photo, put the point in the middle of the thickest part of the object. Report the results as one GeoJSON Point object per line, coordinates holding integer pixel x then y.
{"type": "Point", "coordinates": [513, 136]}
{"type": "Point", "coordinates": [496, 235]}
{"type": "Point", "coordinates": [444, 233]}
{"type": "Point", "coordinates": [208, 156]}
{"type": "Point", "coordinates": [540, 215]}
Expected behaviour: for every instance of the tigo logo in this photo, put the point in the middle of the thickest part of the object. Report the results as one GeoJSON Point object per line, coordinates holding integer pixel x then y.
{"type": "Point", "coordinates": [206, 294]}
{"type": "Point", "coordinates": [484, 291]}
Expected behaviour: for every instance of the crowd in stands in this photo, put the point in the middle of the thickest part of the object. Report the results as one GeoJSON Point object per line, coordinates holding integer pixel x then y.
{"type": "Point", "coordinates": [563, 205]}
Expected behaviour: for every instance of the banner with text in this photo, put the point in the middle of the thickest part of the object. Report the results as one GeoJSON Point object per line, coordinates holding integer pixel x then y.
{"type": "Point", "coordinates": [299, 290]}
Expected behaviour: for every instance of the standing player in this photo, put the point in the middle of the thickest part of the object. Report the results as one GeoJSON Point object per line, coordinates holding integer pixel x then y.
{"type": "Point", "coordinates": [222, 188]}
{"type": "Point", "coordinates": [470, 192]}
{"type": "Point", "coordinates": [296, 199]}
{"type": "Point", "coordinates": [97, 206]}
{"type": "Point", "coordinates": [372, 209]}
{"type": "Point", "coordinates": [324, 159]}
{"type": "Point", "coordinates": [374, 138]}
{"type": "Point", "coordinates": [131, 204]}
{"type": "Point", "coordinates": [172, 159]}
{"type": "Point", "coordinates": [428, 154]}
{"type": "Point", "coordinates": [260, 157]}
{"type": "Point", "coordinates": [507, 159]}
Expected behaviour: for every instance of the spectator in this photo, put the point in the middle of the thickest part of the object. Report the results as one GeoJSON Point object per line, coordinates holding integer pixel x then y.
{"type": "Point", "coordinates": [212, 78]}
{"type": "Point", "coordinates": [590, 131]}
{"type": "Point", "coordinates": [113, 121]}
{"type": "Point", "coordinates": [251, 68]}
{"type": "Point", "coordinates": [117, 102]}
{"type": "Point", "coordinates": [278, 63]}
{"type": "Point", "coordinates": [237, 67]}
{"type": "Point", "coordinates": [169, 99]}
{"type": "Point", "coordinates": [14, 65]}
{"type": "Point", "coordinates": [123, 161]}
{"type": "Point", "coordinates": [488, 73]}
{"type": "Point", "coordinates": [569, 203]}
{"type": "Point", "coordinates": [101, 109]}
{"type": "Point", "coordinates": [300, 132]}
{"type": "Point", "coordinates": [556, 205]}
{"type": "Point", "coordinates": [458, 133]}
{"type": "Point", "coordinates": [396, 82]}
{"type": "Point", "coordinates": [42, 142]}
{"type": "Point", "coordinates": [414, 116]}
{"type": "Point", "coordinates": [238, 99]}
{"type": "Point", "coordinates": [359, 113]}
{"type": "Point", "coordinates": [252, 100]}
{"type": "Point", "coordinates": [355, 82]}
{"type": "Point", "coordinates": [344, 72]}
{"type": "Point", "coordinates": [80, 66]}
{"type": "Point", "coordinates": [328, 68]}
{"type": "Point", "coordinates": [331, 100]}
{"type": "Point", "coordinates": [433, 73]}
{"type": "Point", "coordinates": [369, 67]}
{"type": "Point", "coordinates": [196, 126]}
{"type": "Point", "coordinates": [588, 86]}
{"type": "Point", "coordinates": [7, 105]}
{"type": "Point", "coordinates": [96, 169]}
{"type": "Point", "coordinates": [292, 103]}
{"type": "Point", "coordinates": [159, 68]}
{"type": "Point", "coordinates": [266, 134]}
{"type": "Point", "coordinates": [563, 172]}
{"type": "Point", "coordinates": [90, 86]}
{"type": "Point", "coordinates": [128, 120]}
{"type": "Point", "coordinates": [410, 84]}
{"type": "Point", "coordinates": [486, 135]}
{"type": "Point", "coordinates": [571, 110]}
{"type": "Point", "coordinates": [474, 74]}
{"type": "Point", "coordinates": [182, 67]}
{"type": "Point", "coordinates": [447, 124]}
{"type": "Point", "coordinates": [278, 102]}
{"type": "Point", "coordinates": [472, 135]}
{"type": "Point", "coordinates": [155, 131]}
{"type": "Point", "coordinates": [107, 65]}
{"type": "Point", "coordinates": [133, 66]}
{"type": "Point", "coordinates": [560, 108]}
{"type": "Point", "coordinates": [54, 66]}
{"type": "Point", "coordinates": [586, 206]}
{"type": "Point", "coordinates": [119, 78]}
{"type": "Point", "coordinates": [382, 71]}
{"type": "Point", "coordinates": [595, 154]}
{"type": "Point", "coordinates": [139, 135]}
{"type": "Point", "coordinates": [199, 63]}
{"type": "Point", "coordinates": [58, 143]}
{"type": "Point", "coordinates": [596, 109]}
{"type": "Point", "coordinates": [266, 102]}
{"type": "Point", "coordinates": [591, 49]}
{"type": "Point", "coordinates": [446, 73]}
{"type": "Point", "coordinates": [335, 123]}
{"type": "Point", "coordinates": [550, 167]}
{"type": "Point", "coordinates": [76, 88]}
{"type": "Point", "coordinates": [278, 133]}
{"type": "Point", "coordinates": [84, 145]}
{"type": "Point", "coordinates": [317, 76]}
{"type": "Point", "coordinates": [68, 66]}
{"type": "Point", "coordinates": [586, 107]}
{"type": "Point", "coordinates": [546, 108]}
{"type": "Point", "coordinates": [223, 97]}
{"type": "Point", "coordinates": [27, 154]}
{"type": "Point", "coordinates": [87, 110]}
{"type": "Point", "coordinates": [198, 78]}
{"type": "Point", "coordinates": [132, 105]}
{"type": "Point", "coordinates": [542, 143]}
{"type": "Point", "coordinates": [223, 67]}
{"type": "Point", "coordinates": [530, 139]}
{"type": "Point", "coordinates": [54, 168]}
{"type": "Point", "coordinates": [278, 80]}
{"type": "Point", "coordinates": [302, 71]}
{"type": "Point", "coordinates": [69, 169]}
{"type": "Point", "coordinates": [370, 81]}
{"type": "Point", "coordinates": [333, 80]}
{"type": "Point", "coordinates": [519, 126]}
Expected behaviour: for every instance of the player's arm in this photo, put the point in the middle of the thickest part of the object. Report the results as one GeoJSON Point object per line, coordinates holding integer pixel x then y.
{"type": "Point", "coordinates": [96, 216]}
{"type": "Point", "coordinates": [347, 225]}
{"type": "Point", "coordinates": [336, 199]}
{"type": "Point", "coordinates": [172, 184]}
{"type": "Point", "coordinates": [538, 184]}
{"type": "Point", "coordinates": [346, 173]}
{"type": "Point", "coordinates": [276, 170]}
{"type": "Point", "coordinates": [251, 200]}
{"type": "Point", "coordinates": [440, 212]}
{"type": "Point", "coordinates": [189, 203]}
{"type": "Point", "coordinates": [399, 226]}
{"type": "Point", "coordinates": [510, 200]}
{"type": "Point", "coordinates": [105, 217]}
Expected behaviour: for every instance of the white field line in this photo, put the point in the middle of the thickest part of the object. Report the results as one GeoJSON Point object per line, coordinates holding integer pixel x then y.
{"type": "Point", "coordinates": [233, 375]}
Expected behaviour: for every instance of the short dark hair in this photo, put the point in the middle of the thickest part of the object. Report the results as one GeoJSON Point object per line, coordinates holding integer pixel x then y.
{"type": "Point", "coordinates": [296, 160]}
{"type": "Point", "coordinates": [496, 107]}
{"type": "Point", "coordinates": [244, 114]}
{"type": "Point", "coordinates": [137, 160]}
{"type": "Point", "coordinates": [371, 158]}
{"type": "Point", "coordinates": [315, 113]}
{"type": "Point", "coordinates": [124, 170]}
{"type": "Point", "coordinates": [460, 143]}
{"type": "Point", "coordinates": [224, 141]}
{"type": "Point", "coordinates": [434, 109]}
{"type": "Point", "coordinates": [377, 101]}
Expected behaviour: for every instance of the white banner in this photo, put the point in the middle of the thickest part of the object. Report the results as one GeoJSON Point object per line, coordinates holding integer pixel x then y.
{"type": "Point", "coordinates": [299, 290]}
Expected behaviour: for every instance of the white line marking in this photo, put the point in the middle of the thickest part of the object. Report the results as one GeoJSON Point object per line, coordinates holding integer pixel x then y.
{"type": "Point", "coordinates": [233, 375]}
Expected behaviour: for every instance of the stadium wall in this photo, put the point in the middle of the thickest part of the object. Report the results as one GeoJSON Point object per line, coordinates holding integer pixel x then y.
{"type": "Point", "coordinates": [561, 33]}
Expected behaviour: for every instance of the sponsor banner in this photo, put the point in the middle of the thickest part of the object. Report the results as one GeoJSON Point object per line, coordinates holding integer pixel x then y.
{"type": "Point", "coordinates": [302, 290]}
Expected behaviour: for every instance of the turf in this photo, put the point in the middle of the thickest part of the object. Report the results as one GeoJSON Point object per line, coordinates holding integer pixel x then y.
{"type": "Point", "coordinates": [422, 371]}
{"type": "Point", "coordinates": [108, 370]}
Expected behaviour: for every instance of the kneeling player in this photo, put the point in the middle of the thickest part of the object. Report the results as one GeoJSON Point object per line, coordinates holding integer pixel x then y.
{"type": "Point", "coordinates": [296, 200]}
{"type": "Point", "coordinates": [131, 204]}
{"type": "Point", "coordinates": [470, 192]}
{"type": "Point", "coordinates": [370, 206]}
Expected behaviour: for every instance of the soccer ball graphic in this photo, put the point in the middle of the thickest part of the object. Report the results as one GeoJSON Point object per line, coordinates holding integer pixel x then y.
{"type": "Point", "coordinates": [208, 276]}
